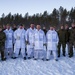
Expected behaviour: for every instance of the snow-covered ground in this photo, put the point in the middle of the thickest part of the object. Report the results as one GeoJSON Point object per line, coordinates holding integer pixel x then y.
{"type": "Point", "coordinates": [65, 66]}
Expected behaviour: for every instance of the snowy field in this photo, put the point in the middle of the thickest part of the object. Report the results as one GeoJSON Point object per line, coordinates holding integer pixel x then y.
{"type": "Point", "coordinates": [65, 66]}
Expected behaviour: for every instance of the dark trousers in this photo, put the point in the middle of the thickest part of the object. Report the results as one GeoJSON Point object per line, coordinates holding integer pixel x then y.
{"type": "Point", "coordinates": [63, 48]}
{"type": "Point", "coordinates": [2, 52]}
{"type": "Point", "coordinates": [71, 48]}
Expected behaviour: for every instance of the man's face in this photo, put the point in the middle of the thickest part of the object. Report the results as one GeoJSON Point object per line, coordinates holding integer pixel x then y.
{"type": "Point", "coordinates": [38, 27]}
{"type": "Point", "coordinates": [14, 26]}
{"type": "Point", "coordinates": [32, 26]}
{"type": "Point", "coordinates": [8, 27]}
{"type": "Point", "coordinates": [20, 27]}
{"type": "Point", "coordinates": [62, 27]}
{"type": "Point", "coordinates": [51, 28]}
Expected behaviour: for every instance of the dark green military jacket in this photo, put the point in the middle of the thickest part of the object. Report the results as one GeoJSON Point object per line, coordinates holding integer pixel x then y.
{"type": "Point", "coordinates": [62, 35]}
{"type": "Point", "coordinates": [72, 35]}
{"type": "Point", "coordinates": [67, 35]}
{"type": "Point", "coordinates": [2, 38]}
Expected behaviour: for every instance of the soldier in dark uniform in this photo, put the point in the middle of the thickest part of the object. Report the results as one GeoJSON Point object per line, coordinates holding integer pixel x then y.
{"type": "Point", "coordinates": [72, 40]}
{"type": "Point", "coordinates": [62, 40]}
{"type": "Point", "coordinates": [14, 27]}
{"type": "Point", "coordinates": [2, 43]}
{"type": "Point", "coordinates": [45, 31]}
{"type": "Point", "coordinates": [67, 30]}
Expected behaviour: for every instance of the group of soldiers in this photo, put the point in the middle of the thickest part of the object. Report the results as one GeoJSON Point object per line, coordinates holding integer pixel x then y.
{"type": "Point", "coordinates": [36, 43]}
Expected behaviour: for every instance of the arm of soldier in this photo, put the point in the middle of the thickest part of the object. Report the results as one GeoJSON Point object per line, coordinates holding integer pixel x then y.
{"type": "Point", "coordinates": [57, 38]}
{"type": "Point", "coordinates": [70, 35]}
{"type": "Point", "coordinates": [4, 37]}
{"type": "Point", "coordinates": [65, 36]}
{"type": "Point", "coordinates": [58, 32]}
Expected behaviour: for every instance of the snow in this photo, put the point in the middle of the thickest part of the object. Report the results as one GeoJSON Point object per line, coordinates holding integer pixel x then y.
{"type": "Point", "coordinates": [65, 66]}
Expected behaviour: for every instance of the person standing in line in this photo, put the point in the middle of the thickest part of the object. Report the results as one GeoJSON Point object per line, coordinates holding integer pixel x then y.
{"type": "Point", "coordinates": [67, 37]}
{"type": "Point", "coordinates": [52, 42]}
{"type": "Point", "coordinates": [30, 41]}
{"type": "Point", "coordinates": [2, 43]}
{"type": "Point", "coordinates": [20, 42]}
{"type": "Point", "coordinates": [39, 43]}
{"type": "Point", "coordinates": [62, 41]}
{"type": "Point", "coordinates": [72, 40]}
{"type": "Point", "coordinates": [9, 41]}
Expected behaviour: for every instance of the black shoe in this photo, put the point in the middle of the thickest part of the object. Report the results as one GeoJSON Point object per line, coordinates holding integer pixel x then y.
{"type": "Point", "coordinates": [56, 59]}
{"type": "Point", "coordinates": [8, 53]}
{"type": "Point", "coordinates": [29, 57]}
{"type": "Point", "coordinates": [26, 54]}
{"type": "Point", "coordinates": [35, 59]}
{"type": "Point", "coordinates": [43, 59]}
{"type": "Point", "coordinates": [47, 59]}
{"type": "Point", "coordinates": [33, 56]}
{"type": "Point", "coordinates": [3, 59]}
{"type": "Point", "coordinates": [64, 55]}
{"type": "Point", "coordinates": [14, 57]}
{"type": "Point", "coordinates": [24, 58]}
{"type": "Point", "coordinates": [58, 55]}
{"type": "Point", "coordinates": [70, 56]}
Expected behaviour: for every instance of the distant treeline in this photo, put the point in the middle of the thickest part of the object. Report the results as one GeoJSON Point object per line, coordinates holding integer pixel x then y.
{"type": "Point", "coordinates": [57, 17]}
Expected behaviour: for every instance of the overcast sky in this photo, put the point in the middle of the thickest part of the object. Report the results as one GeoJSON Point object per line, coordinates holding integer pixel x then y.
{"type": "Point", "coordinates": [33, 6]}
